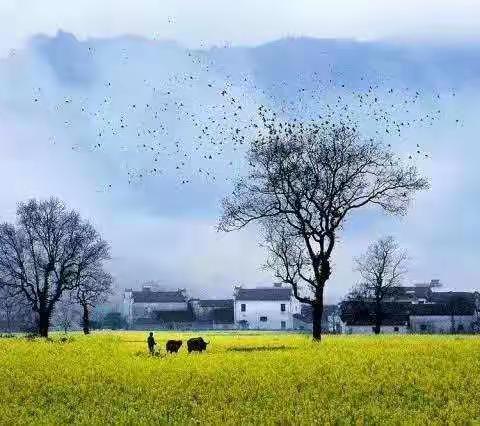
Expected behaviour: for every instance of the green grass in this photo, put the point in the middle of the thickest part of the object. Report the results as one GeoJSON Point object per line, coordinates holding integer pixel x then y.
{"type": "Point", "coordinates": [243, 378]}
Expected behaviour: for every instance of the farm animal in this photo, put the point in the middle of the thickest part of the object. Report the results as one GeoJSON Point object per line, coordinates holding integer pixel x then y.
{"type": "Point", "coordinates": [173, 346]}
{"type": "Point", "coordinates": [196, 344]}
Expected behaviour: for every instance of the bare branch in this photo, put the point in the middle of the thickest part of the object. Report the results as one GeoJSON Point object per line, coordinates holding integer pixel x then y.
{"type": "Point", "coordinates": [305, 179]}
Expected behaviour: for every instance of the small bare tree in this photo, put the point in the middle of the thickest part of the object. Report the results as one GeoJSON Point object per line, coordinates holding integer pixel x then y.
{"type": "Point", "coordinates": [305, 180]}
{"type": "Point", "coordinates": [94, 287]}
{"type": "Point", "coordinates": [382, 269]}
{"type": "Point", "coordinates": [42, 256]}
{"type": "Point", "coordinates": [65, 313]}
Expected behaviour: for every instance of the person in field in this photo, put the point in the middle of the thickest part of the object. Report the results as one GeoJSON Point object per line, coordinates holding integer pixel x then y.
{"type": "Point", "coordinates": [151, 344]}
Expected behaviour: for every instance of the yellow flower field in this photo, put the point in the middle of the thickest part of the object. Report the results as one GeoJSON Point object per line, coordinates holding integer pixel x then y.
{"type": "Point", "coordinates": [243, 378]}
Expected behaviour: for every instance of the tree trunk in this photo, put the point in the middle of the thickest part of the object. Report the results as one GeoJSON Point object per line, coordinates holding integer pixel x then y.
{"type": "Point", "coordinates": [43, 323]}
{"type": "Point", "coordinates": [86, 320]}
{"type": "Point", "coordinates": [317, 312]}
{"type": "Point", "coordinates": [9, 321]}
{"type": "Point", "coordinates": [322, 274]}
{"type": "Point", "coordinates": [378, 318]}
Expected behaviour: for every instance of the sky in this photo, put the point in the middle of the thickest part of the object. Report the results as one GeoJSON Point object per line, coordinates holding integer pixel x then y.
{"type": "Point", "coordinates": [104, 57]}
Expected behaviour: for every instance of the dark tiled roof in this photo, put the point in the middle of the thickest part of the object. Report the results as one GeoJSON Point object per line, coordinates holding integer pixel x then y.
{"type": "Point", "coordinates": [157, 296]}
{"type": "Point", "coordinates": [387, 307]}
{"type": "Point", "coordinates": [363, 313]}
{"type": "Point", "coordinates": [216, 303]}
{"type": "Point", "coordinates": [441, 309]}
{"type": "Point", "coordinates": [272, 294]}
{"type": "Point", "coordinates": [452, 296]}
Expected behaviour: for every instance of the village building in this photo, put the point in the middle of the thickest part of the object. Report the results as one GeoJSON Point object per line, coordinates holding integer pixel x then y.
{"type": "Point", "coordinates": [155, 308]}
{"type": "Point", "coordinates": [213, 313]}
{"type": "Point", "coordinates": [447, 312]}
{"type": "Point", "coordinates": [358, 317]}
{"type": "Point", "coordinates": [434, 312]}
{"type": "Point", "coordinates": [411, 309]}
{"type": "Point", "coordinates": [417, 294]}
{"type": "Point", "coordinates": [267, 308]}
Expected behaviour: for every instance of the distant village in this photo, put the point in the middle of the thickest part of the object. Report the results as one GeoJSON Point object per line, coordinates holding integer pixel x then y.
{"type": "Point", "coordinates": [420, 308]}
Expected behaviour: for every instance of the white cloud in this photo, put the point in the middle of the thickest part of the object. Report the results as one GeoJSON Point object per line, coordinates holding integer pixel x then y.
{"type": "Point", "coordinates": [195, 23]}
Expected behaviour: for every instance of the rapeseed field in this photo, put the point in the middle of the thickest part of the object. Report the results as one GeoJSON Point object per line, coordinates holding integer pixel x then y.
{"type": "Point", "coordinates": [243, 378]}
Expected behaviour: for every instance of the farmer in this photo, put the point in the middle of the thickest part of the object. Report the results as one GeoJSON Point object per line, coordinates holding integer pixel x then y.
{"type": "Point", "coordinates": [151, 344]}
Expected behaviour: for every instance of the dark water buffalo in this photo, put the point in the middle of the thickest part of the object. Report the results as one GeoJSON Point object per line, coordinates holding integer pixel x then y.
{"type": "Point", "coordinates": [196, 344]}
{"type": "Point", "coordinates": [173, 346]}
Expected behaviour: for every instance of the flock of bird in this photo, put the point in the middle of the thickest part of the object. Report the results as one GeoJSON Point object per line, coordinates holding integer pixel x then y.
{"type": "Point", "coordinates": [201, 120]}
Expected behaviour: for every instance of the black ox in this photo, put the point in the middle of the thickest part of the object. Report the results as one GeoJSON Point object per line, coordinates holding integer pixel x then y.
{"type": "Point", "coordinates": [173, 346]}
{"type": "Point", "coordinates": [196, 344]}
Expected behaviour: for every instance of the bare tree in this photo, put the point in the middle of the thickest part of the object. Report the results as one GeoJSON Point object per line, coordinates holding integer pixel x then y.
{"type": "Point", "coordinates": [13, 310]}
{"type": "Point", "coordinates": [65, 313]}
{"type": "Point", "coordinates": [305, 180]}
{"type": "Point", "coordinates": [382, 269]}
{"type": "Point", "coordinates": [42, 256]}
{"type": "Point", "coordinates": [94, 287]}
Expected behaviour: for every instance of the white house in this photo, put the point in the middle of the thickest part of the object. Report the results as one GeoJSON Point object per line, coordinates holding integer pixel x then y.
{"type": "Point", "coordinates": [267, 308]}
{"type": "Point", "coordinates": [442, 318]}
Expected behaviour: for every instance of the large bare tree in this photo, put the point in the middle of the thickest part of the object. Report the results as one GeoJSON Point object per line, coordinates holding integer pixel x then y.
{"type": "Point", "coordinates": [382, 269]}
{"type": "Point", "coordinates": [13, 310]}
{"type": "Point", "coordinates": [304, 182]}
{"type": "Point", "coordinates": [94, 287]}
{"type": "Point", "coordinates": [42, 256]}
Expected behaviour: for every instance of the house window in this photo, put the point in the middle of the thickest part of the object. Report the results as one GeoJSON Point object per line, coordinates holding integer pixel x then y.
{"type": "Point", "coordinates": [263, 319]}
{"type": "Point", "coordinates": [423, 327]}
{"type": "Point", "coordinates": [282, 307]}
{"type": "Point", "coordinates": [461, 327]}
{"type": "Point", "coordinates": [243, 307]}
{"type": "Point", "coordinates": [373, 329]}
{"type": "Point", "coordinates": [283, 325]}
{"type": "Point", "coordinates": [395, 328]}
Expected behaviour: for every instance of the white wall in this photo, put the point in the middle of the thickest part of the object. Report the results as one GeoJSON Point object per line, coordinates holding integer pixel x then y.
{"type": "Point", "coordinates": [368, 329]}
{"type": "Point", "coordinates": [270, 309]}
{"type": "Point", "coordinates": [439, 323]}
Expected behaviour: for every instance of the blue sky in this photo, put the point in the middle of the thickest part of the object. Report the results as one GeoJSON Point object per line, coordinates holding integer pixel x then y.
{"type": "Point", "coordinates": [163, 230]}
